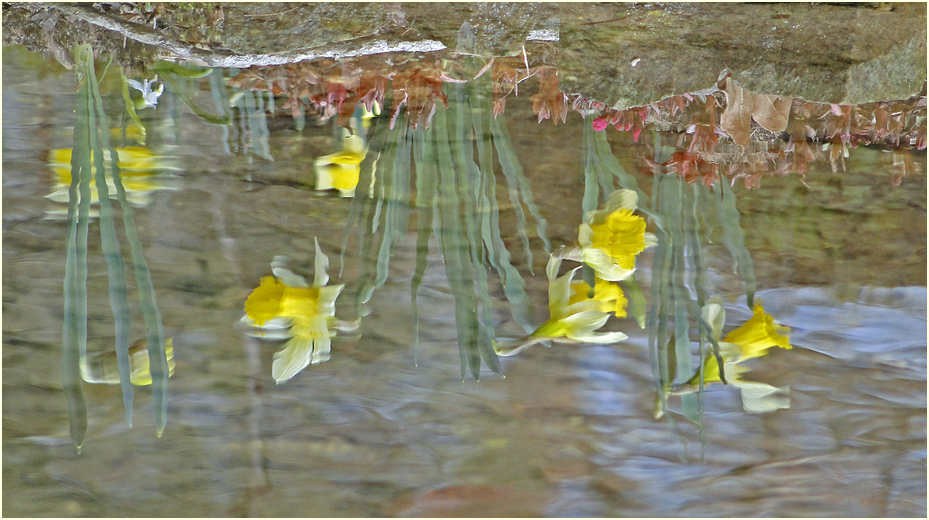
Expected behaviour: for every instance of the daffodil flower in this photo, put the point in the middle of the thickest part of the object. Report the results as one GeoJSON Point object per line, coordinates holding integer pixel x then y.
{"type": "Point", "coordinates": [140, 172]}
{"type": "Point", "coordinates": [285, 306]}
{"type": "Point", "coordinates": [103, 368]}
{"type": "Point", "coordinates": [751, 340]}
{"type": "Point", "coordinates": [573, 317]}
{"type": "Point", "coordinates": [611, 238]}
{"type": "Point", "coordinates": [340, 171]}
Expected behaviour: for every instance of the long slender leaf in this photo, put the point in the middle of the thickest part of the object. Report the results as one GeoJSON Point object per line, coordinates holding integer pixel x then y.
{"type": "Point", "coordinates": [734, 239]}
{"type": "Point", "coordinates": [674, 202]}
{"type": "Point", "coordinates": [119, 300]}
{"type": "Point", "coordinates": [636, 297]}
{"type": "Point", "coordinates": [591, 185]}
{"type": "Point", "coordinates": [514, 286]}
{"type": "Point", "coordinates": [454, 245]}
{"type": "Point", "coordinates": [397, 203]}
{"type": "Point", "coordinates": [74, 331]}
{"type": "Point", "coordinates": [426, 195]}
{"type": "Point", "coordinates": [158, 361]}
{"type": "Point", "coordinates": [469, 189]}
{"type": "Point", "coordinates": [221, 103]}
{"type": "Point", "coordinates": [518, 185]}
{"type": "Point", "coordinates": [694, 405]}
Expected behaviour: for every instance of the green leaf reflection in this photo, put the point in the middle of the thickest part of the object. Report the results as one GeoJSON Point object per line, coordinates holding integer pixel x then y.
{"type": "Point", "coordinates": [455, 201]}
{"type": "Point", "coordinates": [93, 157]}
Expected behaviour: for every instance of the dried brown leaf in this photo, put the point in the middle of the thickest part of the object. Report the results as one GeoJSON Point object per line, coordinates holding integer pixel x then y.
{"type": "Point", "coordinates": [772, 112]}
{"type": "Point", "coordinates": [736, 118]}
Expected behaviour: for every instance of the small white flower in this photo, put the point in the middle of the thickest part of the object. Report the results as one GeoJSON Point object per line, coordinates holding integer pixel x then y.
{"type": "Point", "coordinates": [149, 96]}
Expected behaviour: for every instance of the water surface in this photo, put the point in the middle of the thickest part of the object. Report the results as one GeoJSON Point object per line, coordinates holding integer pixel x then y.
{"type": "Point", "coordinates": [411, 415]}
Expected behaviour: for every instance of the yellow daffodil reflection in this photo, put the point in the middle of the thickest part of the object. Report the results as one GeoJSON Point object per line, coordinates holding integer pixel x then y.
{"type": "Point", "coordinates": [611, 238]}
{"type": "Point", "coordinates": [340, 171]}
{"type": "Point", "coordinates": [103, 368]}
{"type": "Point", "coordinates": [573, 316]}
{"type": "Point", "coordinates": [607, 297]}
{"type": "Point", "coordinates": [285, 306]}
{"type": "Point", "coordinates": [130, 133]}
{"type": "Point", "coordinates": [367, 115]}
{"type": "Point", "coordinates": [751, 340]}
{"type": "Point", "coordinates": [139, 168]}
{"type": "Point", "coordinates": [759, 334]}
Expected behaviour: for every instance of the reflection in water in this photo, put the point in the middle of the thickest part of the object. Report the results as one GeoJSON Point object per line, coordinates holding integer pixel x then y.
{"type": "Point", "coordinates": [455, 201]}
{"type": "Point", "coordinates": [328, 88]}
{"type": "Point", "coordinates": [149, 96]}
{"type": "Point", "coordinates": [103, 368]}
{"type": "Point", "coordinates": [787, 139]}
{"type": "Point", "coordinates": [575, 316]}
{"type": "Point", "coordinates": [643, 251]}
{"type": "Point", "coordinates": [89, 156]}
{"type": "Point", "coordinates": [340, 170]}
{"type": "Point", "coordinates": [141, 172]}
{"type": "Point", "coordinates": [448, 156]}
{"type": "Point", "coordinates": [284, 306]}
{"type": "Point", "coordinates": [610, 239]}
{"type": "Point", "coordinates": [750, 340]}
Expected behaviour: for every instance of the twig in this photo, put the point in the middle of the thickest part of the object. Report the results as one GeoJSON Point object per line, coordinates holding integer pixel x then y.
{"type": "Point", "coordinates": [219, 58]}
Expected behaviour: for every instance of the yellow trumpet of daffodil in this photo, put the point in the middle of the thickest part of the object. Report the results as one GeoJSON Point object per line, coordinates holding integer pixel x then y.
{"type": "Point", "coordinates": [750, 340]}
{"type": "Point", "coordinates": [759, 334]}
{"type": "Point", "coordinates": [611, 238]}
{"type": "Point", "coordinates": [341, 170]}
{"type": "Point", "coordinates": [285, 306]}
{"type": "Point", "coordinates": [607, 297]}
{"type": "Point", "coordinates": [103, 368]}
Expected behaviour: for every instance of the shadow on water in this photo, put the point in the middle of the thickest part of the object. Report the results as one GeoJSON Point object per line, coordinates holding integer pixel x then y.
{"type": "Point", "coordinates": [666, 279]}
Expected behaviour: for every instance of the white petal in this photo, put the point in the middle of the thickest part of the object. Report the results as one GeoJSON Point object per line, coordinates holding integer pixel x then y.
{"type": "Point", "coordinates": [584, 323]}
{"type": "Point", "coordinates": [322, 263]}
{"type": "Point", "coordinates": [551, 270]}
{"type": "Point", "coordinates": [601, 337]}
{"type": "Point", "coordinates": [622, 199]}
{"type": "Point", "coordinates": [288, 277]}
{"type": "Point", "coordinates": [603, 264]}
{"type": "Point", "coordinates": [327, 298]}
{"type": "Point", "coordinates": [510, 347]}
{"type": "Point", "coordinates": [715, 315]}
{"type": "Point", "coordinates": [321, 350]}
{"type": "Point", "coordinates": [294, 358]}
{"type": "Point", "coordinates": [269, 334]}
{"type": "Point", "coordinates": [274, 328]}
{"type": "Point", "coordinates": [317, 329]}
{"type": "Point", "coordinates": [323, 178]}
{"type": "Point", "coordinates": [585, 235]}
{"type": "Point", "coordinates": [565, 253]}
{"type": "Point", "coordinates": [761, 397]}
{"type": "Point", "coordinates": [559, 293]}
{"type": "Point", "coordinates": [650, 240]}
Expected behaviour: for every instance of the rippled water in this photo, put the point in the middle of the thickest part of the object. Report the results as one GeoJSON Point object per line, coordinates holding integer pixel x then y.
{"type": "Point", "coordinates": [389, 428]}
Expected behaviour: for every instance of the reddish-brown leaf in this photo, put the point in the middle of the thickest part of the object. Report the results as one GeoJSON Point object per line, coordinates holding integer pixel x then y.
{"type": "Point", "coordinates": [736, 118]}
{"type": "Point", "coordinates": [772, 112]}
